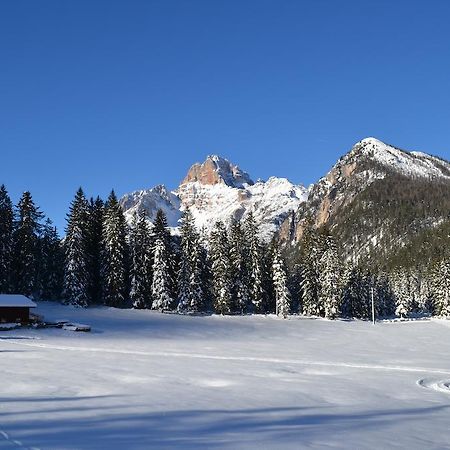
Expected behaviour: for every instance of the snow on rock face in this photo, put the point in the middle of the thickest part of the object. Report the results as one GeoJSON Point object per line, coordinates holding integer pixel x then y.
{"type": "Point", "coordinates": [414, 164]}
{"type": "Point", "coordinates": [150, 200]}
{"type": "Point", "coordinates": [270, 201]}
{"type": "Point", "coordinates": [218, 190]}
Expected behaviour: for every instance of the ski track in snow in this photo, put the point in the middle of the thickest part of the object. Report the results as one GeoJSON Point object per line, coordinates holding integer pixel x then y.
{"type": "Point", "coordinates": [235, 358]}
{"type": "Point", "coordinates": [435, 384]}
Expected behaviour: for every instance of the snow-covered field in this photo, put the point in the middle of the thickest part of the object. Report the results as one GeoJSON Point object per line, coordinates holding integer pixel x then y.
{"type": "Point", "coordinates": [143, 380]}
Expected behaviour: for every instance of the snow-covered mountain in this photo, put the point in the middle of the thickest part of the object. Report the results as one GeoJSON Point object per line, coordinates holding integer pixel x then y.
{"type": "Point", "coordinates": [218, 190]}
{"type": "Point", "coordinates": [378, 198]}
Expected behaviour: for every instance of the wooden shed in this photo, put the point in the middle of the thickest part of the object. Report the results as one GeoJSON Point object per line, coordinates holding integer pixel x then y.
{"type": "Point", "coordinates": [15, 308]}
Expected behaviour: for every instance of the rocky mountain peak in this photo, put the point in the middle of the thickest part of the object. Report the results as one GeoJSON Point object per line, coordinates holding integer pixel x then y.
{"type": "Point", "coordinates": [217, 170]}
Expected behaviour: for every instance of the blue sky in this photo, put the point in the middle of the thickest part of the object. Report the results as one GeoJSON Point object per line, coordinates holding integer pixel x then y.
{"type": "Point", "coordinates": [128, 94]}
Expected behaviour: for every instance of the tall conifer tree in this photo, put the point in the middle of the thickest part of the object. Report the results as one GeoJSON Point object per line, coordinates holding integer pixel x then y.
{"type": "Point", "coordinates": [255, 264]}
{"type": "Point", "coordinates": [115, 254]}
{"type": "Point", "coordinates": [279, 278]}
{"type": "Point", "coordinates": [330, 294]}
{"type": "Point", "coordinates": [239, 264]}
{"type": "Point", "coordinates": [6, 239]}
{"type": "Point", "coordinates": [95, 247]}
{"type": "Point", "coordinates": [77, 275]}
{"type": "Point", "coordinates": [51, 263]}
{"type": "Point", "coordinates": [26, 240]}
{"type": "Point", "coordinates": [191, 273]}
{"type": "Point", "coordinates": [141, 261]}
{"type": "Point", "coordinates": [161, 231]}
{"type": "Point", "coordinates": [161, 289]}
{"type": "Point", "coordinates": [222, 273]}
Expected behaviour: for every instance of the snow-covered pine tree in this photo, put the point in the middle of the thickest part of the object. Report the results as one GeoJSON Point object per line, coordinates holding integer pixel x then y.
{"type": "Point", "coordinates": [309, 262]}
{"type": "Point", "coordinates": [206, 269]}
{"type": "Point", "coordinates": [401, 292]}
{"type": "Point", "coordinates": [255, 264]}
{"type": "Point", "coordinates": [6, 239]}
{"type": "Point", "coordinates": [384, 299]}
{"type": "Point", "coordinates": [239, 258]}
{"type": "Point", "coordinates": [441, 288]}
{"type": "Point", "coordinates": [26, 238]}
{"type": "Point", "coordinates": [51, 263]}
{"type": "Point", "coordinates": [330, 291]}
{"type": "Point", "coordinates": [356, 294]}
{"type": "Point", "coordinates": [115, 254]}
{"type": "Point", "coordinates": [161, 291]}
{"type": "Point", "coordinates": [424, 295]}
{"type": "Point", "coordinates": [279, 278]}
{"type": "Point", "coordinates": [95, 248]}
{"type": "Point", "coordinates": [352, 292]}
{"type": "Point", "coordinates": [222, 273]}
{"type": "Point", "coordinates": [141, 261]}
{"type": "Point", "coordinates": [270, 304]}
{"type": "Point", "coordinates": [191, 289]}
{"type": "Point", "coordinates": [77, 276]}
{"type": "Point", "coordinates": [414, 290]}
{"type": "Point", "coordinates": [161, 231]}
{"type": "Point", "coordinates": [294, 279]}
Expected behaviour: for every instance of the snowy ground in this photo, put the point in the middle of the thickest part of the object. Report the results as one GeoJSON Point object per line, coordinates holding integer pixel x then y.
{"type": "Point", "coordinates": [142, 380]}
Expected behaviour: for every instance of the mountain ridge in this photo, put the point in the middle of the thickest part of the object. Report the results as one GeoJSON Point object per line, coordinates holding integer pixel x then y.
{"type": "Point", "coordinates": [219, 190]}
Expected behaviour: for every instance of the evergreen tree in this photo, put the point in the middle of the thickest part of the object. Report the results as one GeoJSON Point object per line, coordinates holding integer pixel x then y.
{"type": "Point", "coordinates": [6, 239]}
{"type": "Point", "coordinates": [385, 303]}
{"type": "Point", "coordinates": [401, 293]}
{"type": "Point", "coordinates": [141, 261]}
{"type": "Point", "coordinates": [279, 277]}
{"type": "Point", "coordinates": [357, 294]}
{"type": "Point", "coordinates": [191, 273]}
{"type": "Point", "coordinates": [77, 275]}
{"type": "Point", "coordinates": [161, 231]}
{"type": "Point", "coordinates": [51, 263]}
{"type": "Point", "coordinates": [441, 288]}
{"type": "Point", "coordinates": [222, 274]}
{"type": "Point", "coordinates": [330, 280]}
{"type": "Point", "coordinates": [352, 293]}
{"type": "Point", "coordinates": [95, 247]}
{"type": "Point", "coordinates": [115, 254]}
{"type": "Point", "coordinates": [239, 257]}
{"type": "Point", "coordinates": [255, 264]}
{"type": "Point", "coordinates": [310, 258]}
{"type": "Point", "coordinates": [161, 291]}
{"type": "Point", "coordinates": [26, 239]}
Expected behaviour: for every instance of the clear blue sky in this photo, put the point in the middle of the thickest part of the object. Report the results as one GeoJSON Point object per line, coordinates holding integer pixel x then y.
{"type": "Point", "coordinates": [128, 94]}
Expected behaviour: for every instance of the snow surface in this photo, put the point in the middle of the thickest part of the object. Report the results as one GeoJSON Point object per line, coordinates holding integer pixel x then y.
{"type": "Point", "coordinates": [144, 380]}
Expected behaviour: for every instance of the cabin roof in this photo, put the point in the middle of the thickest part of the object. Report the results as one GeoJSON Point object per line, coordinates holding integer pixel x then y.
{"type": "Point", "coordinates": [15, 301]}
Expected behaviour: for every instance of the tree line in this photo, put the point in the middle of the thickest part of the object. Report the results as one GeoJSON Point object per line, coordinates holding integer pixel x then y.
{"type": "Point", "coordinates": [104, 260]}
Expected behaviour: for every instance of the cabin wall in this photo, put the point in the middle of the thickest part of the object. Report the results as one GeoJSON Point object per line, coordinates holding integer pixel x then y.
{"type": "Point", "coordinates": [13, 315]}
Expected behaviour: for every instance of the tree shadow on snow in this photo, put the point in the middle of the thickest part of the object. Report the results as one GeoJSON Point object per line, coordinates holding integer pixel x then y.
{"type": "Point", "coordinates": [99, 423]}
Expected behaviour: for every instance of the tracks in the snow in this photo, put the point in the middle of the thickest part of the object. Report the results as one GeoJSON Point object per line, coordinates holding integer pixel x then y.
{"type": "Point", "coordinates": [435, 384]}
{"type": "Point", "coordinates": [230, 358]}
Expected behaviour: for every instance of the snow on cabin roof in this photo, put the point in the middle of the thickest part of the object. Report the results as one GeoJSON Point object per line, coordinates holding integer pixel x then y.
{"type": "Point", "coordinates": [16, 301]}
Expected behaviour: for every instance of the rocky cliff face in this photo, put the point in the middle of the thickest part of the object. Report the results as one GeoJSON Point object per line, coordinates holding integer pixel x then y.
{"type": "Point", "coordinates": [217, 170]}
